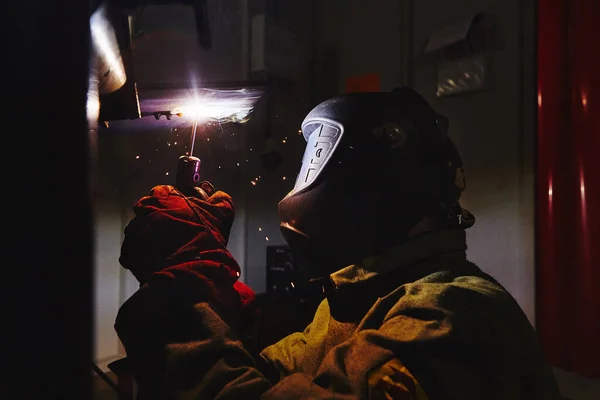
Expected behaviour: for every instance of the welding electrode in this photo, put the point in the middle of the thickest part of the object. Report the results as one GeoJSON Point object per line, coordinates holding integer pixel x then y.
{"type": "Point", "coordinates": [188, 168]}
{"type": "Point", "coordinates": [187, 180]}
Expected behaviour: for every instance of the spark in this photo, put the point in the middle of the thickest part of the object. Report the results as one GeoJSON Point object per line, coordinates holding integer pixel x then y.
{"type": "Point", "coordinates": [283, 141]}
{"type": "Point", "coordinates": [260, 229]}
{"type": "Point", "coordinates": [221, 128]}
{"type": "Point", "coordinates": [253, 183]}
{"type": "Point", "coordinates": [175, 143]}
{"type": "Point", "coordinates": [219, 167]}
{"type": "Point", "coordinates": [167, 173]}
{"type": "Point", "coordinates": [284, 178]}
{"type": "Point", "coordinates": [137, 157]}
{"type": "Point", "coordinates": [238, 164]}
{"type": "Point", "coordinates": [267, 238]}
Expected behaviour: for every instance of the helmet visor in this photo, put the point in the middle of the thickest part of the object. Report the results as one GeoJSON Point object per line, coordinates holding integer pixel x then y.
{"type": "Point", "coordinates": [322, 136]}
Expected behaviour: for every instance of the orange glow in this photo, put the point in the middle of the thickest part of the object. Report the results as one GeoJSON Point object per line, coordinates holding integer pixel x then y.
{"type": "Point", "coordinates": [584, 100]}
{"type": "Point", "coordinates": [550, 194]}
{"type": "Point", "coordinates": [584, 221]}
{"type": "Point", "coordinates": [363, 83]}
{"type": "Point", "coordinates": [583, 202]}
{"type": "Point", "coordinates": [581, 182]}
{"type": "Point", "coordinates": [539, 99]}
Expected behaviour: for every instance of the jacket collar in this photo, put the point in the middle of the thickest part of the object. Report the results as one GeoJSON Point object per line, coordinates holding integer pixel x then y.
{"type": "Point", "coordinates": [417, 250]}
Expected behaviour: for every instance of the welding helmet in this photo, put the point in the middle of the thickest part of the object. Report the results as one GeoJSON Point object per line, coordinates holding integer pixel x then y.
{"type": "Point", "coordinates": [375, 165]}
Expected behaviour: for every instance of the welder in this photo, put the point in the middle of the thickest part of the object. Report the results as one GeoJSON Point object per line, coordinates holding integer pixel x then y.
{"type": "Point", "coordinates": [375, 217]}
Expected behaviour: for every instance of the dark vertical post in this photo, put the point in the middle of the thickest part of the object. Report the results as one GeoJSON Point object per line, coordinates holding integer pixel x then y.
{"type": "Point", "coordinates": [46, 212]}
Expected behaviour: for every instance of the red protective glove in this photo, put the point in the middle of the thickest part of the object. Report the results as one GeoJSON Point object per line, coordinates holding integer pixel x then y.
{"type": "Point", "coordinates": [175, 238]}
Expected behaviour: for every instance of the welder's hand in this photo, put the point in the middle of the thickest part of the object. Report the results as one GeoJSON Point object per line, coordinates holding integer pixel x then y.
{"type": "Point", "coordinates": [183, 239]}
{"type": "Point", "coordinates": [170, 228]}
{"type": "Point", "coordinates": [189, 294]}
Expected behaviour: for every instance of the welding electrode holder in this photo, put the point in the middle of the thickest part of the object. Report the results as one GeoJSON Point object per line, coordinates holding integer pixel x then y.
{"type": "Point", "coordinates": [187, 180]}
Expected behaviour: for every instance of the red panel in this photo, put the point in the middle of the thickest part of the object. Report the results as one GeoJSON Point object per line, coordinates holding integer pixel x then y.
{"type": "Point", "coordinates": [363, 83]}
{"type": "Point", "coordinates": [550, 183]}
{"type": "Point", "coordinates": [568, 180]}
{"type": "Point", "coordinates": [585, 132]}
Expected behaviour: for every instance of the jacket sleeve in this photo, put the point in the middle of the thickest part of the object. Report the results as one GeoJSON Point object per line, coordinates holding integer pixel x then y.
{"type": "Point", "coordinates": [412, 345]}
{"type": "Point", "coordinates": [188, 350]}
{"type": "Point", "coordinates": [364, 366]}
{"type": "Point", "coordinates": [465, 339]}
{"type": "Point", "coordinates": [180, 349]}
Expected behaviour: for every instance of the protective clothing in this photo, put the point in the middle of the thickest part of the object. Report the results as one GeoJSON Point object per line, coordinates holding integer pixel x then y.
{"type": "Point", "coordinates": [416, 322]}
{"type": "Point", "coordinates": [383, 161]}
